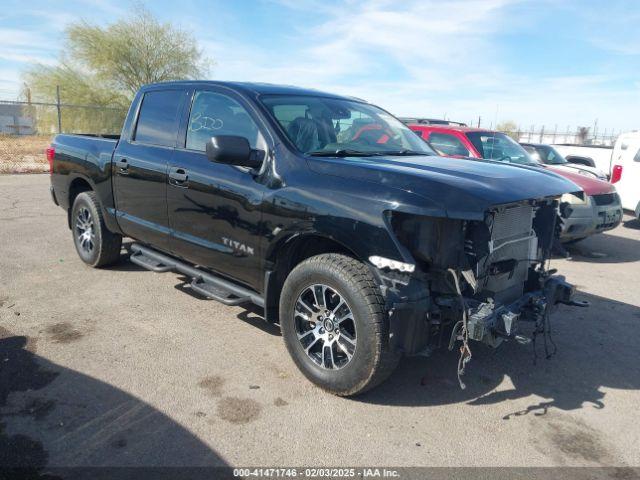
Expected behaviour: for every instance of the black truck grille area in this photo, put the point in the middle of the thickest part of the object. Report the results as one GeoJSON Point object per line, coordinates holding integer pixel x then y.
{"type": "Point", "coordinates": [605, 199]}
{"type": "Point", "coordinates": [511, 239]}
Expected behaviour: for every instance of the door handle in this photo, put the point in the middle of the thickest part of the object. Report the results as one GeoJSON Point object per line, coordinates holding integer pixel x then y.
{"type": "Point", "coordinates": [178, 176]}
{"type": "Point", "coordinates": [123, 165]}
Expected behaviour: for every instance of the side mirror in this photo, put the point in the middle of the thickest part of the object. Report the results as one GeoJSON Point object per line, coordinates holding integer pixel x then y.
{"type": "Point", "coordinates": [233, 150]}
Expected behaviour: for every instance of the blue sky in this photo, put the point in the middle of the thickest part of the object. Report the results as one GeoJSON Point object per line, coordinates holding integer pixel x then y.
{"type": "Point", "coordinates": [534, 62]}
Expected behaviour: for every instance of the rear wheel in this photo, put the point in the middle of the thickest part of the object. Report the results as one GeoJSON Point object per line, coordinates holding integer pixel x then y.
{"type": "Point", "coordinates": [334, 324]}
{"type": "Point", "coordinates": [95, 244]}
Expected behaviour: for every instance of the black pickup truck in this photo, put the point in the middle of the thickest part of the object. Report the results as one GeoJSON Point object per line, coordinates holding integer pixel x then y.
{"type": "Point", "coordinates": [350, 232]}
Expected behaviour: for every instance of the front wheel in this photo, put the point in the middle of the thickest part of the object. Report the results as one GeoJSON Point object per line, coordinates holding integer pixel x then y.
{"type": "Point", "coordinates": [335, 326]}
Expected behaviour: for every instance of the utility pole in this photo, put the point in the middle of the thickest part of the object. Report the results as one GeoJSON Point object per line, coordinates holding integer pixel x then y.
{"type": "Point", "coordinates": [58, 108]}
{"type": "Point", "coordinates": [27, 93]}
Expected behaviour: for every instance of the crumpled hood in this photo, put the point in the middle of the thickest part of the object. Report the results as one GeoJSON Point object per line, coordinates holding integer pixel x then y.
{"type": "Point", "coordinates": [464, 188]}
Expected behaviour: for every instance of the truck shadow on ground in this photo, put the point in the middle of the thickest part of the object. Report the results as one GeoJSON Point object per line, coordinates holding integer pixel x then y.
{"type": "Point", "coordinates": [632, 223]}
{"type": "Point", "coordinates": [596, 349]}
{"type": "Point", "coordinates": [48, 412]}
{"type": "Point", "coordinates": [605, 248]}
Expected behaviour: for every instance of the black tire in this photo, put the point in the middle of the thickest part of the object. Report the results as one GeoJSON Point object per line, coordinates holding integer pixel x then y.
{"type": "Point", "coordinates": [371, 361]}
{"type": "Point", "coordinates": [102, 247]}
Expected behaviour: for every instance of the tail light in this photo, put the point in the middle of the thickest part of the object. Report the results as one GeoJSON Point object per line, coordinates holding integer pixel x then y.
{"type": "Point", "coordinates": [616, 174]}
{"type": "Point", "coordinates": [51, 152]}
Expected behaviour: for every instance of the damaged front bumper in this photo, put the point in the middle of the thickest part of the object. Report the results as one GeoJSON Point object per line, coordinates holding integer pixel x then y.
{"type": "Point", "coordinates": [419, 324]}
{"type": "Point", "coordinates": [491, 323]}
{"type": "Point", "coordinates": [472, 280]}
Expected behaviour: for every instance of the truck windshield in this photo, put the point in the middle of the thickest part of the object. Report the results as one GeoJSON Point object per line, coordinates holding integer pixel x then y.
{"type": "Point", "coordinates": [498, 146]}
{"type": "Point", "coordinates": [322, 126]}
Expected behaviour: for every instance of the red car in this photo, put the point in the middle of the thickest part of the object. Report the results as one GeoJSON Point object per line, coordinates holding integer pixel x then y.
{"type": "Point", "coordinates": [598, 210]}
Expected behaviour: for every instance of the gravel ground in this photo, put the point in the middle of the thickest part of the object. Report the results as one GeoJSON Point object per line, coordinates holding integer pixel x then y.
{"type": "Point", "coordinates": [122, 366]}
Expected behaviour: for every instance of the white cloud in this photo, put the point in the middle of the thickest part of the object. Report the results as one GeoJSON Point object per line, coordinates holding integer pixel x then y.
{"type": "Point", "coordinates": [356, 38]}
{"type": "Point", "coordinates": [21, 48]}
{"type": "Point", "coordinates": [415, 57]}
{"type": "Point", "coordinates": [444, 58]}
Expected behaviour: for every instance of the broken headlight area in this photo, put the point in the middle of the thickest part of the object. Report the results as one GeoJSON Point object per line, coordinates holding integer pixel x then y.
{"type": "Point", "coordinates": [498, 258]}
{"type": "Point", "coordinates": [570, 200]}
{"type": "Point", "coordinates": [480, 279]}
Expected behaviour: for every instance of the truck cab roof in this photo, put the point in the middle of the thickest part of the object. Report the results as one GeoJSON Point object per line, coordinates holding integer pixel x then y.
{"type": "Point", "coordinates": [251, 88]}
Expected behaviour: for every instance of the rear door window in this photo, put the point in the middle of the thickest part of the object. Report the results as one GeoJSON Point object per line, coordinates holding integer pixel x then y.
{"type": "Point", "coordinates": [158, 119]}
{"type": "Point", "coordinates": [448, 144]}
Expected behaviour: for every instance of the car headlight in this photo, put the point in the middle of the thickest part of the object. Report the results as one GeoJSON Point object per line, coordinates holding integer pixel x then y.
{"type": "Point", "coordinates": [576, 198]}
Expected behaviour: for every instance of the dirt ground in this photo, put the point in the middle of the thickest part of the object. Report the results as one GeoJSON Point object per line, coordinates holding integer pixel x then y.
{"type": "Point", "coordinates": [24, 153]}
{"type": "Point", "coordinates": [122, 366]}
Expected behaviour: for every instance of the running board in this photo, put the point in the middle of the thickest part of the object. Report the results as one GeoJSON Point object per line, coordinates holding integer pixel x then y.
{"type": "Point", "coordinates": [204, 283]}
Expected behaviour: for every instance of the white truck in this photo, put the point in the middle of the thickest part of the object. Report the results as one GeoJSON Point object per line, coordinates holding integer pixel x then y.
{"type": "Point", "coordinates": [589, 155]}
{"type": "Point", "coordinates": [625, 170]}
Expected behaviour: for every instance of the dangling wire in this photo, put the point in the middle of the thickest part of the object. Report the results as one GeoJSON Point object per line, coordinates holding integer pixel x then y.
{"type": "Point", "coordinates": [547, 334]}
{"type": "Point", "coordinates": [543, 326]}
{"type": "Point", "coordinates": [465, 351]}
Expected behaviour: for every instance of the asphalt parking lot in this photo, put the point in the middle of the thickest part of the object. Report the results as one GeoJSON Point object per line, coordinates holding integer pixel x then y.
{"type": "Point", "coordinates": [124, 367]}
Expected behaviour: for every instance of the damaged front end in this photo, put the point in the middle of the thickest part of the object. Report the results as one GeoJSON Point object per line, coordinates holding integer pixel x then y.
{"type": "Point", "coordinates": [477, 280]}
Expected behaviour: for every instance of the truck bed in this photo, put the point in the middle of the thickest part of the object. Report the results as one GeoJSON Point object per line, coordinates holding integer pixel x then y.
{"type": "Point", "coordinates": [83, 157]}
{"type": "Point", "coordinates": [601, 155]}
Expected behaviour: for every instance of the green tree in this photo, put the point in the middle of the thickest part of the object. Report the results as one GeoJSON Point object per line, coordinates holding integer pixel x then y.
{"type": "Point", "coordinates": [510, 128]}
{"type": "Point", "coordinates": [105, 66]}
{"type": "Point", "coordinates": [134, 52]}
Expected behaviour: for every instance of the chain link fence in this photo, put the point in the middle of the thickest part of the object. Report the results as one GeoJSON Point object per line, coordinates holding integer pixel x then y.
{"type": "Point", "coordinates": [584, 136]}
{"type": "Point", "coordinates": [23, 153]}
{"type": "Point", "coordinates": [579, 136]}
{"type": "Point", "coordinates": [26, 129]}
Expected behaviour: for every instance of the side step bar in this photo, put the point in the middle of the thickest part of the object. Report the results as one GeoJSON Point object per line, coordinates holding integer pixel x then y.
{"type": "Point", "coordinates": [204, 283]}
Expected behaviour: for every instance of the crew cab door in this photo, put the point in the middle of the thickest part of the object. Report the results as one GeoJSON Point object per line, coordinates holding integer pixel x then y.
{"type": "Point", "coordinates": [140, 165]}
{"type": "Point", "coordinates": [215, 209]}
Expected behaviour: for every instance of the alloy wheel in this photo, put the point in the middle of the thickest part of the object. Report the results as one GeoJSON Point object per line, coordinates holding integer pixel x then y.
{"type": "Point", "coordinates": [325, 326]}
{"type": "Point", "coordinates": [85, 230]}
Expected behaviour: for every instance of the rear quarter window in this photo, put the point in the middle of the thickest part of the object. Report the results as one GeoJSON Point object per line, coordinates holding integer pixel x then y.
{"type": "Point", "coordinates": [158, 119]}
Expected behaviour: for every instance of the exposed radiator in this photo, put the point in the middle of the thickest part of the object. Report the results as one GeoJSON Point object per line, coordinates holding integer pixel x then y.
{"type": "Point", "coordinates": [511, 223]}
{"type": "Point", "coordinates": [512, 239]}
